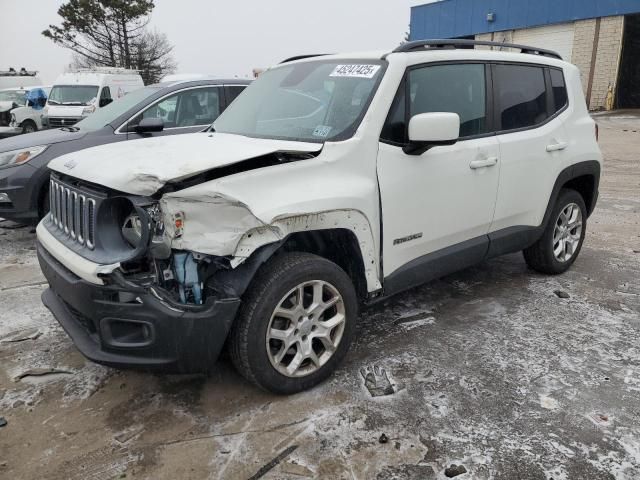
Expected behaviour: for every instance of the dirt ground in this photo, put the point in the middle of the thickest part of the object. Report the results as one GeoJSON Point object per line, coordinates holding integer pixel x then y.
{"type": "Point", "coordinates": [491, 370]}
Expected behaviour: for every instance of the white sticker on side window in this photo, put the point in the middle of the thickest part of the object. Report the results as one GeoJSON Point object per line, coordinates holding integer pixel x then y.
{"type": "Point", "coordinates": [321, 131]}
{"type": "Point", "coordinates": [357, 71]}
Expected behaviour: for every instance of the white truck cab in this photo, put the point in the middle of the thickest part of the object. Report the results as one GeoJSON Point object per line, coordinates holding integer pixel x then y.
{"type": "Point", "coordinates": [78, 94]}
{"type": "Point", "coordinates": [330, 181]}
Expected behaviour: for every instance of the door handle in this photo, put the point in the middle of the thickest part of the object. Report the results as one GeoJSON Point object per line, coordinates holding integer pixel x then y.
{"type": "Point", "coordinates": [554, 147]}
{"type": "Point", "coordinates": [487, 162]}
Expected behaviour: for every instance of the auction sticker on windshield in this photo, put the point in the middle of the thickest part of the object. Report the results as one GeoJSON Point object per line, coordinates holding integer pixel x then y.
{"type": "Point", "coordinates": [357, 71]}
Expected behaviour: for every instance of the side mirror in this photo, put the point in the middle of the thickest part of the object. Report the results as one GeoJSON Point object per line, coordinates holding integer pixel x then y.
{"type": "Point", "coordinates": [427, 130]}
{"type": "Point", "coordinates": [150, 125]}
{"type": "Point", "coordinates": [104, 102]}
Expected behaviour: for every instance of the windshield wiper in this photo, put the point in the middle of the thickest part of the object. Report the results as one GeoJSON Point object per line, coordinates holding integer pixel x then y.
{"type": "Point", "coordinates": [53, 102]}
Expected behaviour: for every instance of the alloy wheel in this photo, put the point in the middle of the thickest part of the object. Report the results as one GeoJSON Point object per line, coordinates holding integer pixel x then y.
{"type": "Point", "coordinates": [305, 328]}
{"type": "Point", "coordinates": [567, 232]}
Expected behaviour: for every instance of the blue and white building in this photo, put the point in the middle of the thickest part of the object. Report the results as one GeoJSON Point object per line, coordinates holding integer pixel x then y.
{"type": "Point", "coordinates": [602, 37]}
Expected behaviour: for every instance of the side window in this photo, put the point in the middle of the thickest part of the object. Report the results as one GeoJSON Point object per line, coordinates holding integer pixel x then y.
{"type": "Point", "coordinates": [189, 108]}
{"type": "Point", "coordinates": [233, 91]}
{"type": "Point", "coordinates": [105, 94]}
{"type": "Point", "coordinates": [559, 89]}
{"type": "Point", "coordinates": [451, 88]}
{"type": "Point", "coordinates": [521, 96]}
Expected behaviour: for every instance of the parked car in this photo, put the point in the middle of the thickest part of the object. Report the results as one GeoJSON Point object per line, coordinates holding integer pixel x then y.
{"type": "Point", "coordinates": [156, 110]}
{"type": "Point", "coordinates": [79, 94]}
{"type": "Point", "coordinates": [25, 116]}
{"type": "Point", "coordinates": [330, 181]}
{"type": "Point", "coordinates": [10, 98]}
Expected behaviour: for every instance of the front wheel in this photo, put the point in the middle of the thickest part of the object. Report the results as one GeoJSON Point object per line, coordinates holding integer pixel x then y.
{"type": "Point", "coordinates": [563, 236]}
{"type": "Point", "coordinates": [295, 324]}
{"type": "Point", "coordinates": [29, 127]}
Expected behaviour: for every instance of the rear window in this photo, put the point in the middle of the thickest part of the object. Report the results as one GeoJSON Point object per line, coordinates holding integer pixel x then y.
{"type": "Point", "coordinates": [559, 89]}
{"type": "Point", "coordinates": [521, 96]}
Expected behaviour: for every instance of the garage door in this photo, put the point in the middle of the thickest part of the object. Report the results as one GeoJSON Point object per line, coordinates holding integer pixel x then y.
{"type": "Point", "coordinates": [552, 37]}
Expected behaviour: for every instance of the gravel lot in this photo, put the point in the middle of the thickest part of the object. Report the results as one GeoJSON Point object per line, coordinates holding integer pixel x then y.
{"type": "Point", "coordinates": [491, 370]}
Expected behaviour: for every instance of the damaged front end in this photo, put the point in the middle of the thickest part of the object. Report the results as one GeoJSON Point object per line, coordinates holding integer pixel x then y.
{"type": "Point", "coordinates": [150, 305]}
{"type": "Point", "coordinates": [129, 231]}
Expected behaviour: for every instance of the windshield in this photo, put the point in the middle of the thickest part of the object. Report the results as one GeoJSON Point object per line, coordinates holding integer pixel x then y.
{"type": "Point", "coordinates": [72, 94]}
{"type": "Point", "coordinates": [106, 115]}
{"type": "Point", "coordinates": [311, 101]}
{"type": "Point", "coordinates": [17, 96]}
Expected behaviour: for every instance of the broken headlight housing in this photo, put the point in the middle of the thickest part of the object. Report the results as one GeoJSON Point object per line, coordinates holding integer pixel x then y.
{"type": "Point", "coordinates": [133, 228]}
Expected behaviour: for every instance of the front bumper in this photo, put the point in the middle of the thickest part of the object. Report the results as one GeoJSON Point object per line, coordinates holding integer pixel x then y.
{"type": "Point", "coordinates": [18, 182]}
{"type": "Point", "coordinates": [10, 131]}
{"type": "Point", "coordinates": [116, 326]}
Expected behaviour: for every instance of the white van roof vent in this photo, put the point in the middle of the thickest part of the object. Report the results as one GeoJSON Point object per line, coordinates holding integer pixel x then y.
{"type": "Point", "coordinates": [106, 70]}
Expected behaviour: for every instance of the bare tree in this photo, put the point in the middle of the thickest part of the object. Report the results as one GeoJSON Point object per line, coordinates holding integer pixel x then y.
{"type": "Point", "coordinates": [151, 56]}
{"type": "Point", "coordinates": [113, 33]}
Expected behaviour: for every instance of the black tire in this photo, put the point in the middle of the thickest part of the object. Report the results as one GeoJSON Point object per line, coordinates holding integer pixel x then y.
{"type": "Point", "coordinates": [247, 341]}
{"type": "Point", "coordinates": [540, 256]}
{"type": "Point", "coordinates": [29, 126]}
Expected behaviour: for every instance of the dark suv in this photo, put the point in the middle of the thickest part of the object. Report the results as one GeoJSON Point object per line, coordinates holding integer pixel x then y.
{"type": "Point", "coordinates": [155, 110]}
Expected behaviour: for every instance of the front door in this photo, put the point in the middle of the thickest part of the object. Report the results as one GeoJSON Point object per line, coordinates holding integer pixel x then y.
{"type": "Point", "coordinates": [187, 111]}
{"type": "Point", "coordinates": [446, 196]}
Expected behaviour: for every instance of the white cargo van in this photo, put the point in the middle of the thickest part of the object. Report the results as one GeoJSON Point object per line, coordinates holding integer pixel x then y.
{"type": "Point", "coordinates": [78, 94]}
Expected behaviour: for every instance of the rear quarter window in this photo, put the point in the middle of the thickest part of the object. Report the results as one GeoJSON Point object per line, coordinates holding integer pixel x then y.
{"type": "Point", "coordinates": [559, 90]}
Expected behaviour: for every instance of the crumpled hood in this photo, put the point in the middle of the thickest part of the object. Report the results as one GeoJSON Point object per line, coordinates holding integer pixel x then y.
{"type": "Point", "coordinates": [142, 167]}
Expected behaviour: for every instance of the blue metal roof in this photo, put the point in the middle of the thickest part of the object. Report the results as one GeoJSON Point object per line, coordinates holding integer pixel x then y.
{"type": "Point", "coordinates": [458, 18]}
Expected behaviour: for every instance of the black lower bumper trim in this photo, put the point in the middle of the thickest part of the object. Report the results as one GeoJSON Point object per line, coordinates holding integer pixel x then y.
{"type": "Point", "coordinates": [165, 337]}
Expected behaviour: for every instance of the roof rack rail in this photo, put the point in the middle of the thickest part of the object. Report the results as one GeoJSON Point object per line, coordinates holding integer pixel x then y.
{"type": "Point", "coordinates": [421, 45]}
{"type": "Point", "coordinates": [302, 57]}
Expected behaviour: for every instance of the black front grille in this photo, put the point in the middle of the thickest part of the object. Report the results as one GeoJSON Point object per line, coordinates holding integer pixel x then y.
{"type": "Point", "coordinates": [57, 122]}
{"type": "Point", "coordinates": [73, 212]}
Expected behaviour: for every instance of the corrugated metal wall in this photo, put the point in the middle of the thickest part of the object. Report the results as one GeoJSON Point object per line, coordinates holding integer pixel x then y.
{"type": "Point", "coordinates": [457, 18]}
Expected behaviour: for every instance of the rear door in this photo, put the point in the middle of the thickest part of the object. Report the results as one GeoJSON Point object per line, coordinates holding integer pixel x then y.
{"type": "Point", "coordinates": [232, 91]}
{"type": "Point", "coordinates": [446, 196]}
{"type": "Point", "coordinates": [529, 102]}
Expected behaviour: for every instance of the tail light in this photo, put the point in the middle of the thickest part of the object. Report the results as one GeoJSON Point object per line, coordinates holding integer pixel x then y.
{"type": "Point", "coordinates": [597, 132]}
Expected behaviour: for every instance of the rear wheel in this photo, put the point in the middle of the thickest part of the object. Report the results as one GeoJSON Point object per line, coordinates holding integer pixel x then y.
{"type": "Point", "coordinates": [29, 126]}
{"type": "Point", "coordinates": [563, 236]}
{"type": "Point", "coordinates": [295, 324]}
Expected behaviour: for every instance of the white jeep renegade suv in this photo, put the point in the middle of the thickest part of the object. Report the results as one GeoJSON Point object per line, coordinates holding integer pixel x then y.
{"type": "Point", "coordinates": [331, 181]}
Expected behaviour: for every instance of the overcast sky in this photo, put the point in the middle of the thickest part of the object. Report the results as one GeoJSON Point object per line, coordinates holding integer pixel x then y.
{"type": "Point", "coordinates": [222, 38]}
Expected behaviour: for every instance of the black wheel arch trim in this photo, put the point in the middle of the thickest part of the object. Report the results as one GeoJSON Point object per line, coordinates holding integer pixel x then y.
{"type": "Point", "coordinates": [581, 169]}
